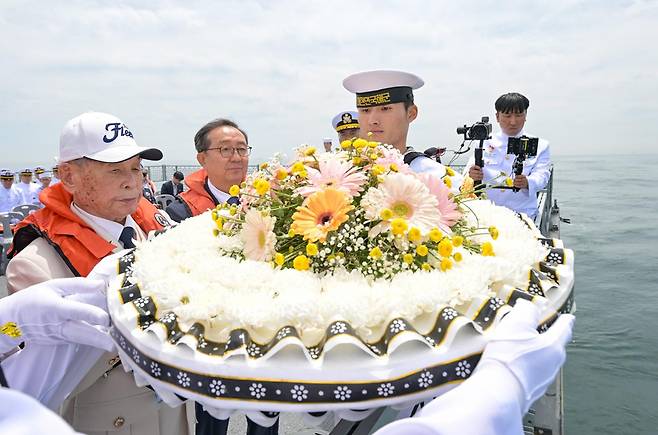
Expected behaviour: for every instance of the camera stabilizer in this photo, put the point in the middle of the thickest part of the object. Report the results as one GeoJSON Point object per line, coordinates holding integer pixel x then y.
{"type": "Point", "coordinates": [479, 131]}
{"type": "Point", "coordinates": [522, 147]}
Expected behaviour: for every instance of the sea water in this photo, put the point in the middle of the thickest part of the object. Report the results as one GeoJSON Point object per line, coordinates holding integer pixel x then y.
{"type": "Point", "coordinates": [611, 374]}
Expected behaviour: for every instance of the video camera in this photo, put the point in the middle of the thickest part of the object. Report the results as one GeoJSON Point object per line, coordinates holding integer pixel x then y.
{"type": "Point", "coordinates": [522, 147]}
{"type": "Point", "coordinates": [478, 131]}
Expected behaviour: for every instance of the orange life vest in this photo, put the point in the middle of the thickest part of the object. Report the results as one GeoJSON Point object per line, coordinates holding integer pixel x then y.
{"type": "Point", "coordinates": [197, 198]}
{"type": "Point", "coordinates": [77, 243]}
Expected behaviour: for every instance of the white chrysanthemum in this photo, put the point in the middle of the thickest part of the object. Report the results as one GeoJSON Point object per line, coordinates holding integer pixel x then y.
{"type": "Point", "coordinates": [258, 236]}
{"type": "Point", "coordinates": [407, 197]}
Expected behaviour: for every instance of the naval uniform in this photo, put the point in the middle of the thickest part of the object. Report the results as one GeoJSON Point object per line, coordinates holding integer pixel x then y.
{"type": "Point", "coordinates": [28, 192]}
{"type": "Point", "coordinates": [9, 198]}
{"type": "Point", "coordinates": [496, 160]}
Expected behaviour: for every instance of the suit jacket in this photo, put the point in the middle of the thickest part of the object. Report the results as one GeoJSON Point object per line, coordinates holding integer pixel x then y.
{"type": "Point", "coordinates": [168, 188]}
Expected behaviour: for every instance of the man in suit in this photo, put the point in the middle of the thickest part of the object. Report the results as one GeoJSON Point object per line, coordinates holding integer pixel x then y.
{"type": "Point", "coordinates": [97, 209]}
{"type": "Point", "coordinates": [174, 186]}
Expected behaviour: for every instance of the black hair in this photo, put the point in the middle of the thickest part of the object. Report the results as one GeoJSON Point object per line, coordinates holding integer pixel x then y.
{"type": "Point", "coordinates": [179, 176]}
{"type": "Point", "coordinates": [201, 137]}
{"type": "Point", "coordinates": [512, 102]}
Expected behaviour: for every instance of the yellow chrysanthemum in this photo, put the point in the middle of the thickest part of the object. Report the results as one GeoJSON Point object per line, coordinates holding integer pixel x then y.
{"type": "Point", "coordinates": [373, 156]}
{"type": "Point", "coordinates": [311, 249]}
{"type": "Point", "coordinates": [458, 257]}
{"type": "Point", "coordinates": [414, 235]}
{"type": "Point", "coordinates": [215, 232]}
{"type": "Point", "coordinates": [281, 174]}
{"type": "Point", "coordinates": [494, 232]}
{"type": "Point", "coordinates": [346, 144]}
{"type": "Point", "coordinates": [393, 167]}
{"type": "Point", "coordinates": [509, 182]}
{"type": "Point", "coordinates": [457, 241]}
{"type": "Point", "coordinates": [291, 233]}
{"type": "Point", "coordinates": [435, 235]}
{"type": "Point", "coordinates": [487, 249]}
{"type": "Point", "coordinates": [234, 190]}
{"type": "Point", "coordinates": [376, 253]}
{"type": "Point", "coordinates": [373, 144]}
{"type": "Point", "coordinates": [447, 181]}
{"type": "Point", "coordinates": [301, 262]}
{"type": "Point", "coordinates": [408, 258]}
{"type": "Point", "coordinates": [446, 264]}
{"type": "Point", "coordinates": [263, 166]}
{"type": "Point", "coordinates": [321, 213]}
{"type": "Point", "coordinates": [426, 267]}
{"type": "Point", "coordinates": [399, 226]}
{"type": "Point", "coordinates": [219, 222]}
{"type": "Point", "coordinates": [370, 133]}
{"type": "Point", "coordinates": [279, 259]}
{"type": "Point", "coordinates": [262, 186]}
{"type": "Point", "coordinates": [359, 144]}
{"type": "Point", "coordinates": [297, 167]}
{"type": "Point", "coordinates": [422, 250]}
{"type": "Point", "coordinates": [378, 169]}
{"type": "Point", "coordinates": [356, 161]}
{"type": "Point", "coordinates": [445, 248]}
{"type": "Point", "coordinates": [386, 214]}
{"type": "Point", "coordinates": [303, 174]}
{"type": "Point", "coordinates": [450, 172]}
{"type": "Point", "coordinates": [309, 151]}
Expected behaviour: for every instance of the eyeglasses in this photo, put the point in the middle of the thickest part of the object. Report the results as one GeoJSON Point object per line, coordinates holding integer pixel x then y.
{"type": "Point", "coordinates": [228, 151]}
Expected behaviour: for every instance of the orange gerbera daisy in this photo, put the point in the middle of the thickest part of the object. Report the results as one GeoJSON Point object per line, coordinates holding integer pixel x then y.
{"type": "Point", "coordinates": [322, 212]}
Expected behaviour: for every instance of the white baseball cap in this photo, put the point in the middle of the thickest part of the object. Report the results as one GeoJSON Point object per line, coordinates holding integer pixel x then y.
{"type": "Point", "coordinates": [102, 137]}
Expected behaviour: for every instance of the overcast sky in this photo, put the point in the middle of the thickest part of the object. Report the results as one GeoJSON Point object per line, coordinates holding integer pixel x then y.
{"type": "Point", "coordinates": [165, 68]}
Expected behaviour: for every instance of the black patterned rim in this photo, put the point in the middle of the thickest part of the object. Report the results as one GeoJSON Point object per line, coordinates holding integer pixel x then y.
{"type": "Point", "coordinates": [539, 281]}
{"type": "Point", "coordinates": [277, 391]}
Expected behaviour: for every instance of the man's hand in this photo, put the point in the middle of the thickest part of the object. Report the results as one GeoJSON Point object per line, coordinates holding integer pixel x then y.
{"type": "Point", "coordinates": [521, 182]}
{"type": "Point", "coordinates": [475, 172]}
{"type": "Point", "coordinates": [56, 311]}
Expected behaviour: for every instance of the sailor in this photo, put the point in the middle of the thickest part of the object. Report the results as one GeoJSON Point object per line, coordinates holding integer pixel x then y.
{"type": "Point", "coordinates": [28, 191]}
{"type": "Point", "coordinates": [223, 153]}
{"type": "Point", "coordinates": [96, 210]}
{"type": "Point", "coordinates": [38, 171]}
{"type": "Point", "coordinates": [511, 114]}
{"type": "Point", "coordinates": [55, 175]}
{"type": "Point", "coordinates": [346, 125]}
{"type": "Point", "coordinates": [45, 179]}
{"type": "Point", "coordinates": [9, 196]}
{"type": "Point", "coordinates": [385, 101]}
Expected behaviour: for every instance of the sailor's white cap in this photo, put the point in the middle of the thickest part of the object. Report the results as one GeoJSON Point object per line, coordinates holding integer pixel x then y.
{"type": "Point", "coordinates": [376, 88]}
{"type": "Point", "coordinates": [102, 137]}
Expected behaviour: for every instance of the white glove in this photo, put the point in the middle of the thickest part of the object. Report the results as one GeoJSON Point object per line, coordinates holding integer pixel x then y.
{"type": "Point", "coordinates": [516, 368]}
{"type": "Point", "coordinates": [534, 359]}
{"type": "Point", "coordinates": [56, 311]}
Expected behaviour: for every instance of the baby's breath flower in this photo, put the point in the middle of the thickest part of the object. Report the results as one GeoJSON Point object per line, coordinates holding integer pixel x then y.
{"type": "Point", "coordinates": [301, 262]}
{"type": "Point", "coordinates": [422, 250]}
{"type": "Point", "coordinates": [234, 190]}
{"type": "Point", "coordinates": [487, 249]}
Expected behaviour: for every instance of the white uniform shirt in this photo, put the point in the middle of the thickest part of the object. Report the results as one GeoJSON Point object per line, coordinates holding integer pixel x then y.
{"type": "Point", "coordinates": [425, 164]}
{"type": "Point", "coordinates": [29, 192]}
{"type": "Point", "coordinates": [496, 160]}
{"type": "Point", "coordinates": [9, 198]}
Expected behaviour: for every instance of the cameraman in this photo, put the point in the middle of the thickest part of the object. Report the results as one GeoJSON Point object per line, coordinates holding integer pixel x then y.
{"type": "Point", "coordinates": [511, 112]}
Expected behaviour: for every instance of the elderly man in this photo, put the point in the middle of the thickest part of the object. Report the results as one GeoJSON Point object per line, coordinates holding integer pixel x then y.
{"type": "Point", "coordinates": [223, 152]}
{"type": "Point", "coordinates": [95, 210]}
{"type": "Point", "coordinates": [9, 196]}
{"type": "Point", "coordinates": [28, 191]}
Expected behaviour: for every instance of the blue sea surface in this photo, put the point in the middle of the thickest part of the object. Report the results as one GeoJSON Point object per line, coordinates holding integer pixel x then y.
{"type": "Point", "coordinates": [611, 374]}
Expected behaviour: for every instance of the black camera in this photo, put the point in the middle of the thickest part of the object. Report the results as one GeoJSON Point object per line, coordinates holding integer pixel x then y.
{"type": "Point", "coordinates": [526, 146]}
{"type": "Point", "coordinates": [478, 131]}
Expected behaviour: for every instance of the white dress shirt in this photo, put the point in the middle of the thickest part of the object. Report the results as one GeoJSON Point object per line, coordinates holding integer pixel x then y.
{"type": "Point", "coordinates": [496, 160]}
{"type": "Point", "coordinates": [219, 195]}
{"type": "Point", "coordinates": [107, 229]}
{"type": "Point", "coordinates": [9, 198]}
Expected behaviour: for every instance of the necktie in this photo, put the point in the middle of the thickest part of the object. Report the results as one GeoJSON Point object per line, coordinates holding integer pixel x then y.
{"type": "Point", "coordinates": [233, 200]}
{"type": "Point", "coordinates": [126, 237]}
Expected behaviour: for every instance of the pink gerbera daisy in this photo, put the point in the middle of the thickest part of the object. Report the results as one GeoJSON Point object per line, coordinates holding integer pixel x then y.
{"type": "Point", "coordinates": [448, 210]}
{"type": "Point", "coordinates": [334, 173]}
{"type": "Point", "coordinates": [258, 236]}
